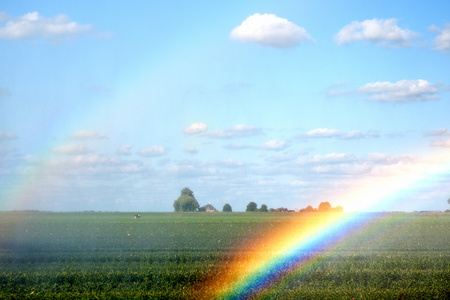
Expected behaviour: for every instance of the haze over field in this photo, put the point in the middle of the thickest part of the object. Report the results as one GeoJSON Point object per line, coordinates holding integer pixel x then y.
{"type": "Point", "coordinates": [109, 106]}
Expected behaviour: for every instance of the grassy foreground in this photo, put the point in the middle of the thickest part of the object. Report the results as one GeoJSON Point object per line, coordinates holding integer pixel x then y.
{"type": "Point", "coordinates": [90, 255]}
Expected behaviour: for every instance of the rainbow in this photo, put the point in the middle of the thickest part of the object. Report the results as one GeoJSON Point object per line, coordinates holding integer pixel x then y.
{"type": "Point", "coordinates": [260, 262]}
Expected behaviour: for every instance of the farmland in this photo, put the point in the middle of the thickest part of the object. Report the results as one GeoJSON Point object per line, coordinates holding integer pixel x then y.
{"type": "Point", "coordinates": [88, 255]}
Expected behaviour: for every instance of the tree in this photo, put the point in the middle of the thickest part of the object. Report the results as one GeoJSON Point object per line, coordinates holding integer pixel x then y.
{"type": "Point", "coordinates": [263, 208]}
{"type": "Point", "coordinates": [337, 209]}
{"type": "Point", "coordinates": [309, 208]}
{"type": "Point", "coordinates": [324, 206]}
{"type": "Point", "coordinates": [187, 191]}
{"type": "Point", "coordinates": [186, 201]}
{"type": "Point", "coordinates": [252, 206]}
{"type": "Point", "coordinates": [227, 208]}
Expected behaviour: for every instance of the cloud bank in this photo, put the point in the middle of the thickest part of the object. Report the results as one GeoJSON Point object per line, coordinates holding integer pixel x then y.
{"type": "Point", "coordinates": [33, 25]}
{"type": "Point", "coordinates": [275, 145]}
{"type": "Point", "coordinates": [84, 135]}
{"type": "Point", "coordinates": [438, 132]}
{"type": "Point", "coordinates": [442, 40]}
{"type": "Point", "coordinates": [441, 143]}
{"type": "Point", "coordinates": [334, 133]}
{"type": "Point", "coordinates": [380, 31]}
{"type": "Point", "coordinates": [124, 150]}
{"type": "Point", "coordinates": [195, 128]}
{"type": "Point", "coordinates": [401, 91]}
{"type": "Point", "coordinates": [152, 151]}
{"type": "Point", "coordinates": [71, 149]}
{"type": "Point", "coordinates": [236, 131]}
{"type": "Point", "coordinates": [7, 136]}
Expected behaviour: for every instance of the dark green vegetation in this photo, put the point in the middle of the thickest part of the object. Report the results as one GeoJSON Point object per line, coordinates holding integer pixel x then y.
{"type": "Point", "coordinates": [168, 255]}
{"type": "Point", "coordinates": [227, 208]}
{"type": "Point", "coordinates": [186, 202]}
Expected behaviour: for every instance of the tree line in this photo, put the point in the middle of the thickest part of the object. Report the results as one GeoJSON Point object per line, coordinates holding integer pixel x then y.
{"type": "Point", "coordinates": [187, 203]}
{"type": "Point", "coordinates": [323, 207]}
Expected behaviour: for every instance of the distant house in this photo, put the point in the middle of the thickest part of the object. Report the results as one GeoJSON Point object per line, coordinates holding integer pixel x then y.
{"type": "Point", "coordinates": [208, 208]}
{"type": "Point", "coordinates": [281, 209]}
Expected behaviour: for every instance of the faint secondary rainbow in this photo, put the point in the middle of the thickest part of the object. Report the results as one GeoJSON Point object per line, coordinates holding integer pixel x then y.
{"type": "Point", "coordinates": [25, 184]}
{"type": "Point", "coordinates": [259, 262]}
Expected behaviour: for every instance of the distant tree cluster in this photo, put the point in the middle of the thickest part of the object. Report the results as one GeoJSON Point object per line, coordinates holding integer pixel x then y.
{"type": "Point", "coordinates": [187, 203]}
{"type": "Point", "coordinates": [280, 209]}
{"type": "Point", "coordinates": [323, 207]}
{"type": "Point", "coordinates": [252, 206]}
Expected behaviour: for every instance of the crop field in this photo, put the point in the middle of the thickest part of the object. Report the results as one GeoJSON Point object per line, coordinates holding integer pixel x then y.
{"type": "Point", "coordinates": [99, 255]}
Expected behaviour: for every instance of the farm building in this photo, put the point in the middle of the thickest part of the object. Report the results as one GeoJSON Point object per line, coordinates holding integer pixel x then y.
{"type": "Point", "coordinates": [208, 208]}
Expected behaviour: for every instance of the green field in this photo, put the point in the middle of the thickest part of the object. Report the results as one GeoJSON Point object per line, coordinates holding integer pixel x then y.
{"type": "Point", "coordinates": [89, 255]}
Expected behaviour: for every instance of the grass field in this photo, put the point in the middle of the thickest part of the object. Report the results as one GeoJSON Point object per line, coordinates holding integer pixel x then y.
{"type": "Point", "coordinates": [89, 255]}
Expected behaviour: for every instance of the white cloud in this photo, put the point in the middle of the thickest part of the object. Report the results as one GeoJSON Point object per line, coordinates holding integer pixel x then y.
{"type": "Point", "coordinates": [356, 134]}
{"type": "Point", "coordinates": [343, 169]}
{"type": "Point", "coordinates": [7, 136]}
{"type": "Point", "coordinates": [334, 133]}
{"type": "Point", "coordinates": [152, 151]}
{"type": "Point", "coordinates": [84, 135]}
{"type": "Point", "coordinates": [33, 25]}
{"type": "Point", "coordinates": [190, 169]}
{"type": "Point", "coordinates": [95, 166]}
{"type": "Point", "coordinates": [275, 145]}
{"type": "Point", "coordinates": [195, 128]}
{"type": "Point", "coordinates": [269, 30]}
{"type": "Point", "coordinates": [89, 160]}
{"type": "Point", "coordinates": [71, 149]}
{"type": "Point", "coordinates": [124, 150]}
{"type": "Point", "coordinates": [238, 146]}
{"type": "Point", "coordinates": [402, 166]}
{"type": "Point", "coordinates": [281, 158]}
{"type": "Point", "coordinates": [227, 163]}
{"type": "Point", "coordinates": [382, 31]}
{"type": "Point", "coordinates": [191, 150]}
{"type": "Point", "coordinates": [330, 158]}
{"type": "Point", "coordinates": [442, 40]}
{"type": "Point", "coordinates": [401, 91]}
{"type": "Point", "coordinates": [236, 131]}
{"type": "Point", "coordinates": [353, 167]}
{"type": "Point", "coordinates": [324, 132]}
{"type": "Point", "coordinates": [441, 143]}
{"type": "Point", "coordinates": [438, 132]}
{"type": "Point", "coordinates": [133, 168]}
{"type": "Point", "coordinates": [389, 159]}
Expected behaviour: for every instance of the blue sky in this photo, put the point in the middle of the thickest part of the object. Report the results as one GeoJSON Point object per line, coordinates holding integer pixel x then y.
{"type": "Point", "coordinates": [114, 107]}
